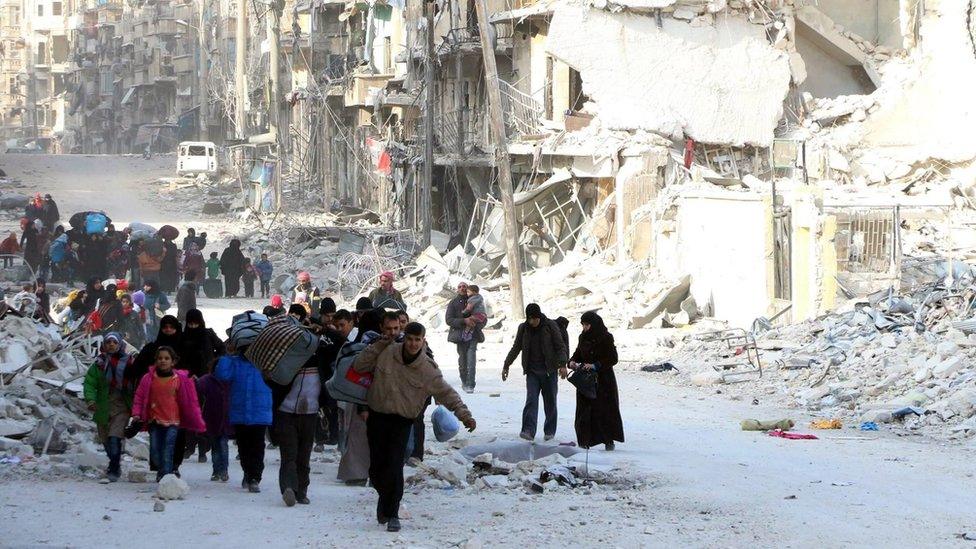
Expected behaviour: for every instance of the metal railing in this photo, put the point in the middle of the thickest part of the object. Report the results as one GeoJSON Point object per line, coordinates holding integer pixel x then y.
{"type": "Point", "coordinates": [522, 111]}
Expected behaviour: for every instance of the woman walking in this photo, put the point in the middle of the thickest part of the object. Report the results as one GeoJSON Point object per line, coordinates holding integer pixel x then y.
{"type": "Point", "coordinates": [598, 419]}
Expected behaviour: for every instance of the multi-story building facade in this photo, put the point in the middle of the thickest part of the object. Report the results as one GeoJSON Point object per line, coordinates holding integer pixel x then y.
{"type": "Point", "coordinates": [13, 89]}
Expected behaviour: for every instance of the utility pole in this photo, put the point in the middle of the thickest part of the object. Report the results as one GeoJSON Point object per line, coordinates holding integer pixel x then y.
{"type": "Point", "coordinates": [204, 59]}
{"type": "Point", "coordinates": [503, 162]}
{"type": "Point", "coordinates": [240, 79]}
{"type": "Point", "coordinates": [428, 180]}
{"type": "Point", "coordinates": [273, 19]}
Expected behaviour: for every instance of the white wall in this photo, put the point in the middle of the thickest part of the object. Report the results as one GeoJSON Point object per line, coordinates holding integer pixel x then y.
{"type": "Point", "coordinates": [828, 77]}
{"type": "Point", "coordinates": [874, 20]}
{"type": "Point", "coordinates": [721, 242]}
{"type": "Point", "coordinates": [717, 84]}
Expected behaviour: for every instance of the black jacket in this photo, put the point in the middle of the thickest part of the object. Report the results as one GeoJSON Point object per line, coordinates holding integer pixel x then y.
{"type": "Point", "coordinates": [554, 347]}
{"type": "Point", "coordinates": [324, 360]}
{"type": "Point", "coordinates": [199, 347]}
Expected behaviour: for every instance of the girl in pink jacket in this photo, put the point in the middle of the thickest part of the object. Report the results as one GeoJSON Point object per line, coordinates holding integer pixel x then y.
{"type": "Point", "coordinates": [165, 402]}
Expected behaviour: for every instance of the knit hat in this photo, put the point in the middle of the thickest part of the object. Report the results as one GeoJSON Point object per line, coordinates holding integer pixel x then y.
{"type": "Point", "coordinates": [112, 336]}
{"type": "Point", "coordinates": [245, 327]}
{"type": "Point", "coordinates": [327, 306]}
{"type": "Point", "coordinates": [276, 301]}
{"type": "Point", "coordinates": [139, 298]}
{"type": "Point", "coordinates": [532, 310]}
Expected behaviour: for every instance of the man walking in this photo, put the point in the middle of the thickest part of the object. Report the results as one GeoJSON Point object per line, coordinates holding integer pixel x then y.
{"type": "Point", "coordinates": [467, 350]}
{"type": "Point", "coordinates": [544, 352]}
{"type": "Point", "coordinates": [403, 377]}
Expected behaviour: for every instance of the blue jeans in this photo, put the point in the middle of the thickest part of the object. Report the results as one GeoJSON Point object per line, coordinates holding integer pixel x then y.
{"type": "Point", "coordinates": [162, 442]}
{"type": "Point", "coordinates": [218, 454]}
{"type": "Point", "coordinates": [547, 384]}
{"type": "Point", "coordinates": [467, 360]}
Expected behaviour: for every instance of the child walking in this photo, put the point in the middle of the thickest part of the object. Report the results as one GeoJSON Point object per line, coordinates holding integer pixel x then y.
{"type": "Point", "coordinates": [165, 402]}
{"type": "Point", "coordinates": [248, 277]}
{"type": "Point", "coordinates": [108, 391]}
{"type": "Point", "coordinates": [215, 395]}
{"type": "Point", "coordinates": [213, 266]}
{"type": "Point", "coordinates": [265, 269]}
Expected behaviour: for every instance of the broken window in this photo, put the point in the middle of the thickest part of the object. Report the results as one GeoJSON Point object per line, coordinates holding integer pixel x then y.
{"type": "Point", "coordinates": [55, 8]}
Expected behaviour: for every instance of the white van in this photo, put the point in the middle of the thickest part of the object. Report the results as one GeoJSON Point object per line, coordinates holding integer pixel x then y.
{"type": "Point", "coordinates": [195, 157]}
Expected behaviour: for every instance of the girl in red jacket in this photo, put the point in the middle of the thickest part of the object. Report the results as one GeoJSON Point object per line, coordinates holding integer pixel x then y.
{"type": "Point", "coordinates": [165, 402]}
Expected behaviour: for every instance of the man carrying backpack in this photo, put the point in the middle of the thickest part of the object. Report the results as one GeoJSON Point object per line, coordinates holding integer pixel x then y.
{"type": "Point", "coordinates": [544, 349]}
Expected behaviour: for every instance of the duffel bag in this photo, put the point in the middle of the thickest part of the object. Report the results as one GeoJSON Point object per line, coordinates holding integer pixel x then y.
{"type": "Point", "coordinates": [346, 384]}
{"type": "Point", "coordinates": [281, 349]}
{"type": "Point", "coordinates": [245, 327]}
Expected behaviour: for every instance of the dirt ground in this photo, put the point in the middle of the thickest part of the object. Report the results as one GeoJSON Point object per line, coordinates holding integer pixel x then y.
{"type": "Point", "coordinates": [699, 481]}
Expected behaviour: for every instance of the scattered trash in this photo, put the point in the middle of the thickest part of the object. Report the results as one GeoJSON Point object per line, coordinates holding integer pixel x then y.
{"type": "Point", "coordinates": [663, 367]}
{"type": "Point", "coordinates": [869, 426]}
{"type": "Point", "coordinates": [790, 497]}
{"type": "Point", "coordinates": [779, 433]}
{"type": "Point", "coordinates": [826, 424]}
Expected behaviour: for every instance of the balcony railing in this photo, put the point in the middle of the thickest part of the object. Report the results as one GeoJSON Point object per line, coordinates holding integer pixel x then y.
{"type": "Point", "coordinates": [522, 111]}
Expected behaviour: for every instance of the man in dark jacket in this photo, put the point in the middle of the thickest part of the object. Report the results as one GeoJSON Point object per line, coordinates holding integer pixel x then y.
{"type": "Point", "coordinates": [49, 212]}
{"type": "Point", "coordinates": [467, 350]}
{"type": "Point", "coordinates": [544, 352]}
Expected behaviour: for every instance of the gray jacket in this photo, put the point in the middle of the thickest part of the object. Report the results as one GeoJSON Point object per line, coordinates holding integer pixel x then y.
{"type": "Point", "coordinates": [453, 318]}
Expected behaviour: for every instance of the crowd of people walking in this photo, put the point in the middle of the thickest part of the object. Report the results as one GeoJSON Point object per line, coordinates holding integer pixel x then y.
{"type": "Point", "coordinates": [193, 391]}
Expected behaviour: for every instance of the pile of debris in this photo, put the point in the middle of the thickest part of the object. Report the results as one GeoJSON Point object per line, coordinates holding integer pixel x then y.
{"type": "Point", "coordinates": [45, 427]}
{"type": "Point", "coordinates": [905, 359]}
{"type": "Point", "coordinates": [517, 467]}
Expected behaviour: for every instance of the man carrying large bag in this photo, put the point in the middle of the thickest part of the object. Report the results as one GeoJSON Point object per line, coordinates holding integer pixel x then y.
{"type": "Point", "coordinates": [404, 376]}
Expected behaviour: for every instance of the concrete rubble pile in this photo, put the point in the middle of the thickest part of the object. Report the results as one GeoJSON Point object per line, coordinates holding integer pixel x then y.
{"type": "Point", "coordinates": [899, 359]}
{"type": "Point", "coordinates": [516, 467]}
{"type": "Point", "coordinates": [45, 427]}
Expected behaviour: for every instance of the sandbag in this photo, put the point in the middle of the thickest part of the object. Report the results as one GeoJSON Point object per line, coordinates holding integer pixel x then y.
{"type": "Point", "coordinates": [95, 223]}
{"type": "Point", "coordinates": [445, 424]}
{"type": "Point", "coordinates": [168, 232]}
{"type": "Point", "coordinates": [346, 384]}
{"type": "Point", "coordinates": [281, 349]}
{"type": "Point", "coordinates": [213, 288]}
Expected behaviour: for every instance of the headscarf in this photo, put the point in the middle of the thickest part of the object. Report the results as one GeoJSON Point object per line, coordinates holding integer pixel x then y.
{"type": "Point", "coordinates": [169, 341]}
{"type": "Point", "coordinates": [277, 302]}
{"type": "Point", "coordinates": [195, 316]}
{"type": "Point", "coordinates": [597, 327]}
{"type": "Point", "coordinates": [388, 285]}
{"type": "Point", "coordinates": [304, 277]}
{"type": "Point", "coordinates": [113, 366]}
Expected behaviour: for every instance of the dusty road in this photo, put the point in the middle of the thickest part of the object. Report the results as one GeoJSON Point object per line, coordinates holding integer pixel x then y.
{"type": "Point", "coordinates": [702, 481]}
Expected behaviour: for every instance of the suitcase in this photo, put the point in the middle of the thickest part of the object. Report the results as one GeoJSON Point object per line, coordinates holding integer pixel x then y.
{"type": "Point", "coordinates": [348, 385]}
{"type": "Point", "coordinates": [213, 288]}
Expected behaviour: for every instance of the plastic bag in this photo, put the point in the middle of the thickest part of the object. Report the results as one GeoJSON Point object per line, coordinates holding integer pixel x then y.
{"type": "Point", "coordinates": [445, 425]}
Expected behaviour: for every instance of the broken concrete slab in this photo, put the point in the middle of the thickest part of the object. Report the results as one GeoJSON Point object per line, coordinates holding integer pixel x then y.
{"type": "Point", "coordinates": [679, 80]}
